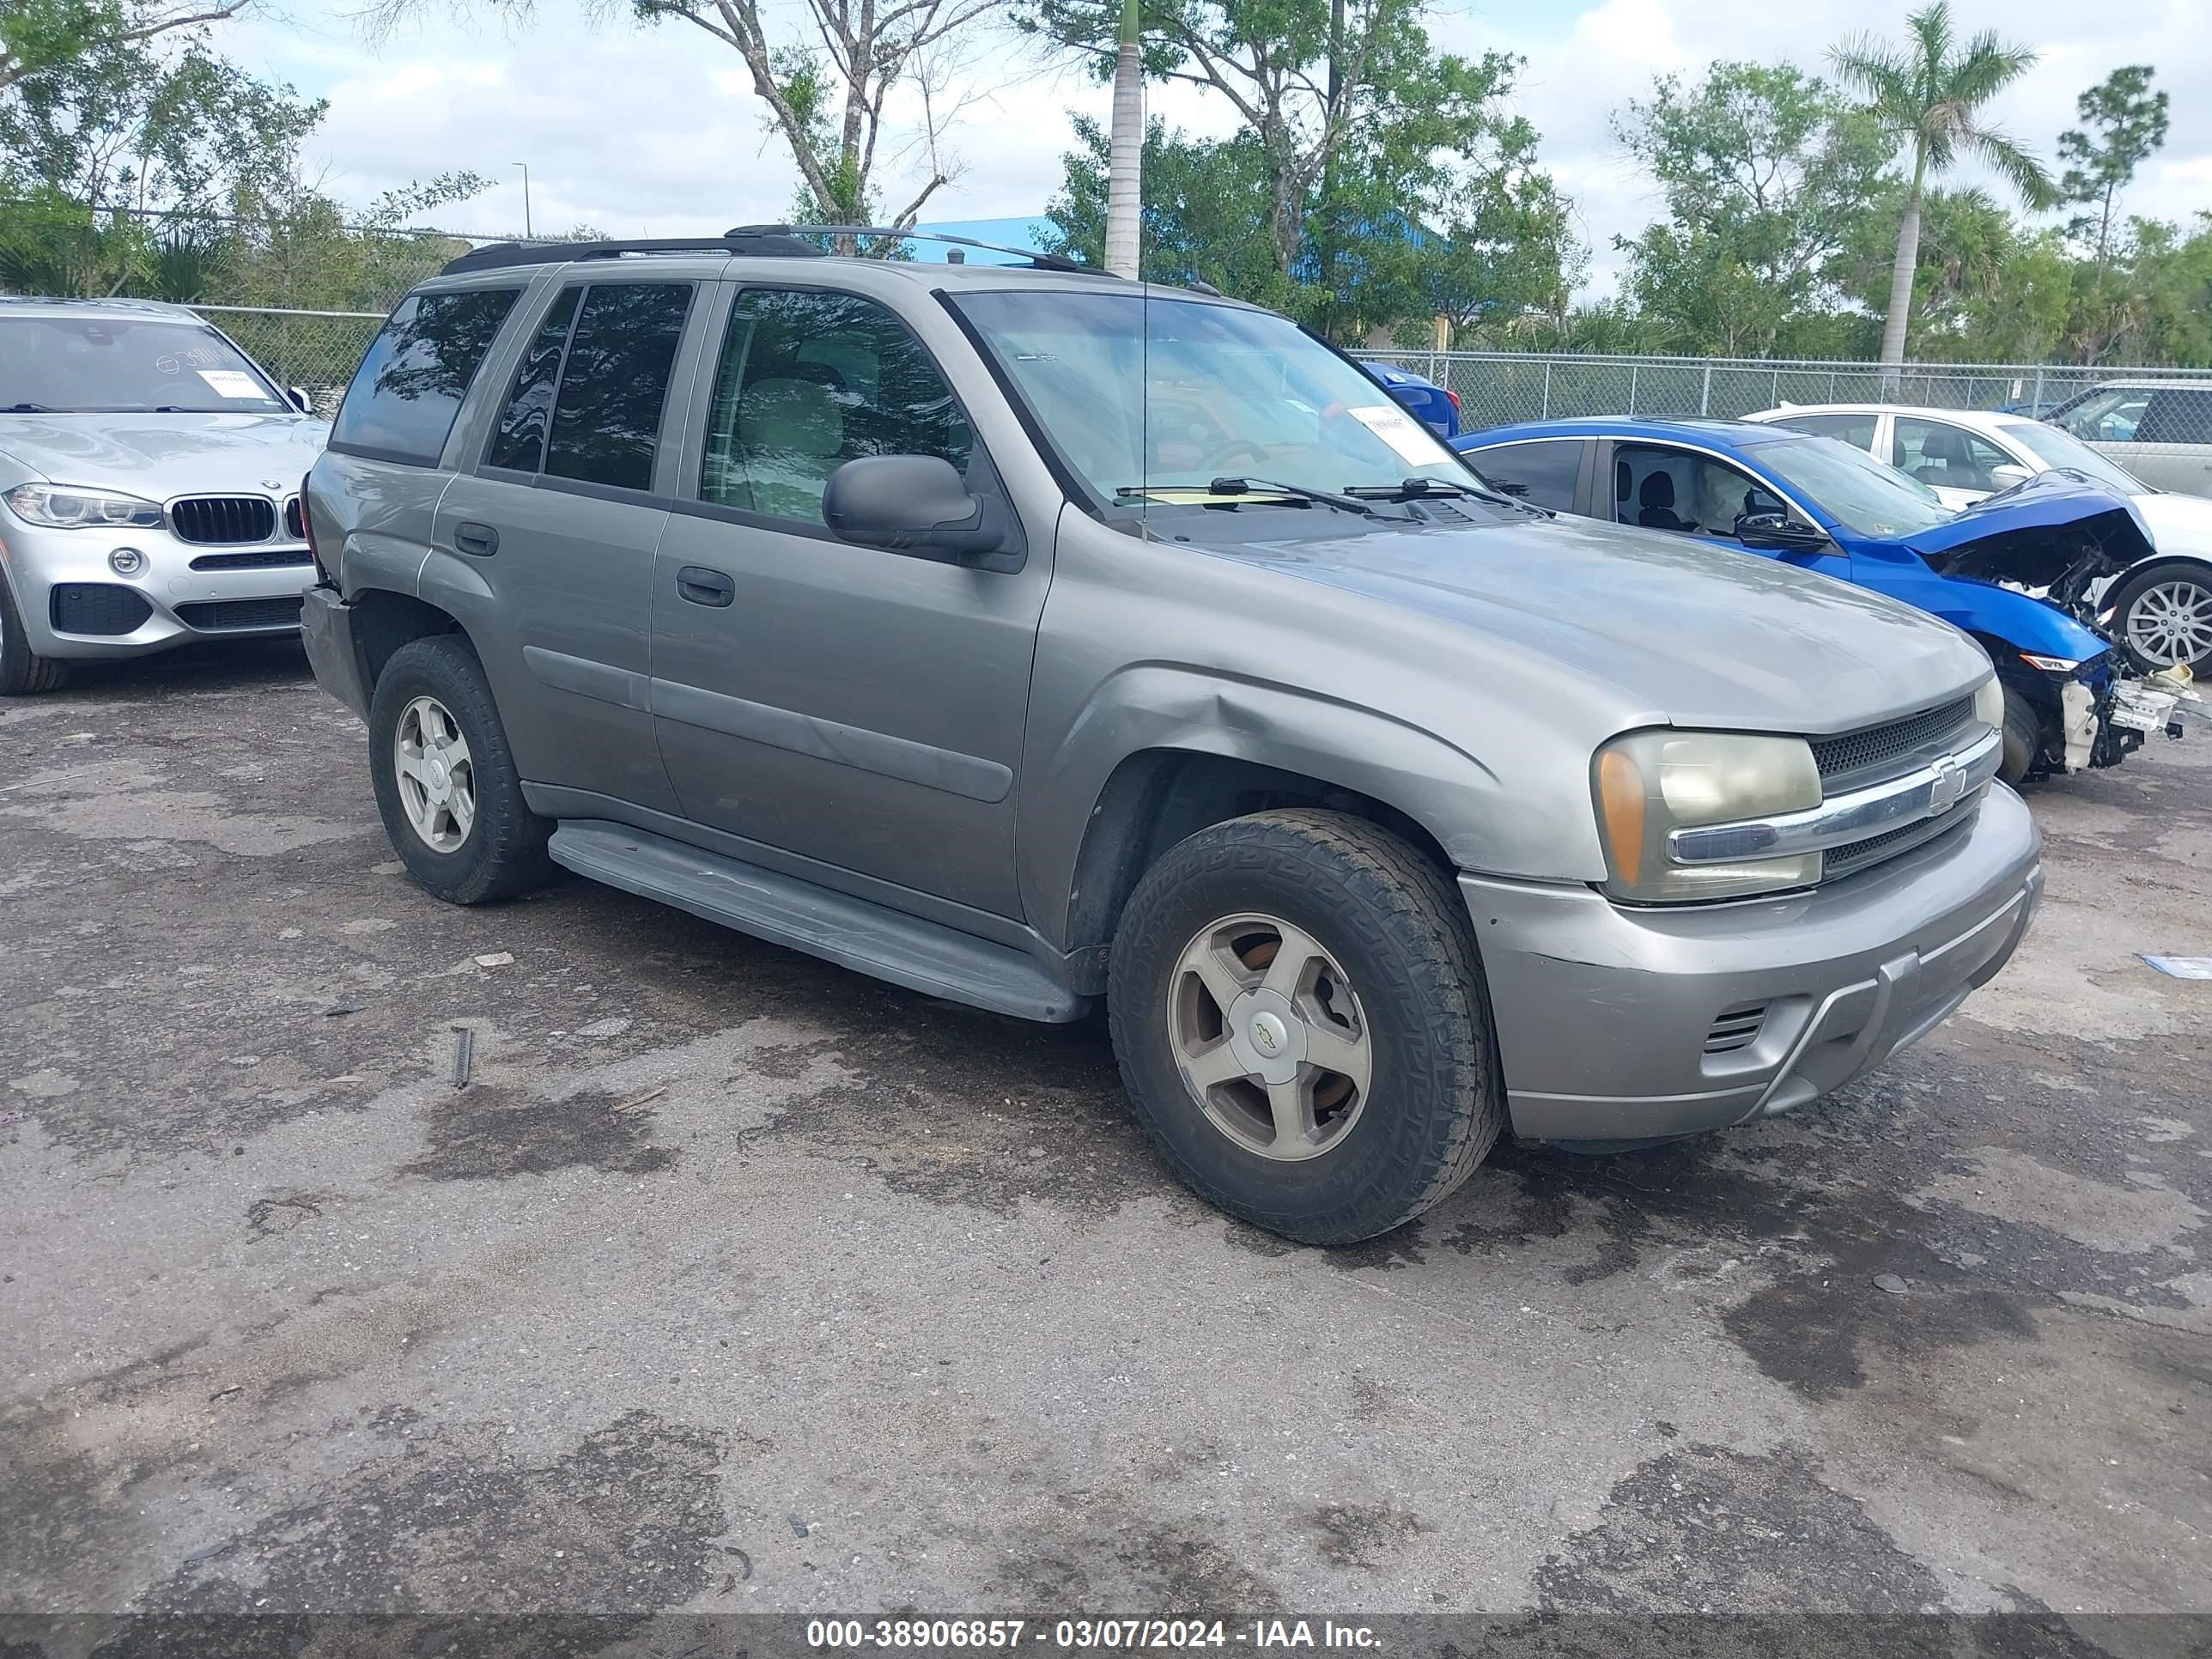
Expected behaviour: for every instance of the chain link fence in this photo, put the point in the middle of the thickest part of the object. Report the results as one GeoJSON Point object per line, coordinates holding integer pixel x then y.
{"type": "Point", "coordinates": [315, 351]}
{"type": "Point", "coordinates": [2161, 406]}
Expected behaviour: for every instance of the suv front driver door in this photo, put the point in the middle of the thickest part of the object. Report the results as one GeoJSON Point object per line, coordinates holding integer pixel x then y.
{"type": "Point", "coordinates": [862, 709]}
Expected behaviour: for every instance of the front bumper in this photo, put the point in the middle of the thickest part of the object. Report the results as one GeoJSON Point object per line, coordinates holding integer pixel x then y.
{"type": "Point", "coordinates": [1605, 1013]}
{"type": "Point", "coordinates": [175, 595]}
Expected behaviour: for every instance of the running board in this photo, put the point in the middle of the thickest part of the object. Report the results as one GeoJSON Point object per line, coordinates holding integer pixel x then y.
{"type": "Point", "coordinates": [922, 956]}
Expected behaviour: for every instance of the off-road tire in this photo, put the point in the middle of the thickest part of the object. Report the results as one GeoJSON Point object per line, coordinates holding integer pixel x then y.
{"type": "Point", "coordinates": [1395, 920]}
{"type": "Point", "coordinates": [2023, 738]}
{"type": "Point", "coordinates": [504, 854]}
{"type": "Point", "coordinates": [23, 673]}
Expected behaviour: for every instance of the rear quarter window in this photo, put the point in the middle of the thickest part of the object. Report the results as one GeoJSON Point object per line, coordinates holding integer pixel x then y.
{"type": "Point", "coordinates": [1542, 472]}
{"type": "Point", "coordinates": [404, 397]}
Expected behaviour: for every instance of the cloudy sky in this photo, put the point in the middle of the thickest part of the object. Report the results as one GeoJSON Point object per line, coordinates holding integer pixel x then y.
{"type": "Point", "coordinates": [652, 132]}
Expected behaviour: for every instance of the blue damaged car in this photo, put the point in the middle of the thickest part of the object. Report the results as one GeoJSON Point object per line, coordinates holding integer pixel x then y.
{"type": "Point", "coordinates": [2016, 571]}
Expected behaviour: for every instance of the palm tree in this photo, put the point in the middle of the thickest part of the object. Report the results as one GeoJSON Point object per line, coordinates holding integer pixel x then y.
{"type": "Point", "coordinates": [1125, 148]}
{"type": "Point", "coordinates": [1925, 94]}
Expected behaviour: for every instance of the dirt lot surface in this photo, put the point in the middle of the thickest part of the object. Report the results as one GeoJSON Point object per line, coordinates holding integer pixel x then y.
{"type": "Point", "coordinates": [735, 1281]}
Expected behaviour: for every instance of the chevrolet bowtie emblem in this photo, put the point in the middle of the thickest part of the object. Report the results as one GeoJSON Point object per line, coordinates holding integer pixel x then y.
{"type": "Point", "coordinates": [1948, 784]}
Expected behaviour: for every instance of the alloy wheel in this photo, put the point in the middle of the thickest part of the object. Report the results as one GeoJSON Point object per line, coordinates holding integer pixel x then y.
{"type": "Point", "coordinates": [1269, 1037]}
{"type": "Point", "coordinates": [2171, 622]}
{"type": "Point", "coordinates": [436, 775]}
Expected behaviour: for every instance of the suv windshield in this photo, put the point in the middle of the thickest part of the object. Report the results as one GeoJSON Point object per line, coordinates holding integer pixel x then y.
{"type": "Point", "coordinates": [1144, 396]}
{"type": "Point", "coordinates": [2056, 448]}
{"type": "Point", "coordinates": [106, 364]}
{"type": "Point", "coordinates": [1864, 495]}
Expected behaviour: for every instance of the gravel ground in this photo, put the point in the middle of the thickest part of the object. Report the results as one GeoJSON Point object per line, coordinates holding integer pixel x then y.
{"type": "Point", "coordinates": [733, 1281]}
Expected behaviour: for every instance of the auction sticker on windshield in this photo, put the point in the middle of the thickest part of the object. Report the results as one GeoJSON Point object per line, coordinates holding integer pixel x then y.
{"type": "Point", "coordinates": [232, 383]}
{"type": "Point", "coordinates": [1408, 438]}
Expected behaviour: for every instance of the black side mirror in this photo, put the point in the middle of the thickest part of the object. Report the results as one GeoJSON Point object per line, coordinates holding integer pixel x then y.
{"type": "Point", "coordinates": [1780, 531]}
{"type": "Point", "coordinates": [300, 399]}
{"type": "Point", "coordinates": [913, 504]}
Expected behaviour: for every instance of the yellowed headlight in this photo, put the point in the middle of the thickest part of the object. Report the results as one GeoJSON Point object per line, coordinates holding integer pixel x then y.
{"type": "Point", "coordinates": [1647, 784]}
{"type": "Point", "coordinates": [1988, 703]}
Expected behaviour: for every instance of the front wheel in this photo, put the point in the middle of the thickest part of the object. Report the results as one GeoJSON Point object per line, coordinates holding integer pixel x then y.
{"type": "Point", "coordinates": [1300, 1017]}
{"type": "Point", "coordinates": [2164, 618]}
{"type": "Point", "coordinates": [2023, 755]}
{"type": "Point", "coordinates": [446, 785]}
{"type": "Point", "coordinates": [23, 671]}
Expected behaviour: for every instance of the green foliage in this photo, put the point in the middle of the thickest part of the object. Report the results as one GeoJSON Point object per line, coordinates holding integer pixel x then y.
{"type": "Point", "coordinates": [2131, 121]}
{"type": "Point", "coordinates": [1407, 195]}
{"type": "Point", "coordinates": [1766, 173]}
{"type": "Point", "coordinates": [1354, 128]}
{"type": "Point", "coordinates": [135, 158]}
{"type": "Point", "coordinates": [1203, 218]}
{"type": "Point", "coordinates": [1929, 93]}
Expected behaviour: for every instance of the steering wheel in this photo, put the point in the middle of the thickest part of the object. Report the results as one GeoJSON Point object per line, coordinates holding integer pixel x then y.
{"type": "Point", "coordinates": [1231, 449]}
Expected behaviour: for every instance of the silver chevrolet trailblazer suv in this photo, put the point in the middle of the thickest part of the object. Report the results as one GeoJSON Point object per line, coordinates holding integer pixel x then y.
{"type": "Point", "coordinates": [1028, 637]}
{"type": "Point", "coordinates": [150, 473]}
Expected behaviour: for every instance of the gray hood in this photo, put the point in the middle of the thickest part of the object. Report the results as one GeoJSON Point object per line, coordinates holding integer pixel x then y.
{"type": "Point", "coordinates": [1701, 635]}
{"type": "Point", "coordinates": [160, 457]}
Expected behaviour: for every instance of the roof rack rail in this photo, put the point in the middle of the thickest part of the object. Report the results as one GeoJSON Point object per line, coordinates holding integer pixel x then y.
{"type": "Point", "coordinates": [495, 255]}
{"type": "Point", "coordinates": [1040, 261]}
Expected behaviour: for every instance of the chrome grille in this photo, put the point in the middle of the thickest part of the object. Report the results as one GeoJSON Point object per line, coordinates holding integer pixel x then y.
{"type": "Point", "coordinates": [213, 519]}
{"type": "Point", "coordinates": [1858, 855]}
{"type": "Point", "coordinates": [1878, 750]}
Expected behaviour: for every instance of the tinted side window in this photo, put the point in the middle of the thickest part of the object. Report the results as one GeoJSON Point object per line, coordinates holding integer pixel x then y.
{"type": "Point", "coordinates": [1545, 472]}
{"type": "Point", "coordinates": [404, 395]}
{"type": "Point", "coordinates": [606, 419]}
{"type": "Point", "coordinates": [1857, 431]}
{"type": "Point", "coordinates": [520, 441]}
{"type": "Point", "coordinates": [811, 380]}
{"type": "Point", "coordinates": [2177, 414]}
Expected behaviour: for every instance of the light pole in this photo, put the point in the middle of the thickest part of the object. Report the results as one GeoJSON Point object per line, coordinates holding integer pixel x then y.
{"type": "Point", "coordinates": [527, 233]}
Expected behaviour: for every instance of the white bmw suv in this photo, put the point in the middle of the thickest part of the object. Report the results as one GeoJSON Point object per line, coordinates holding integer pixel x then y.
{"type": "Point", "coordinates": [149, 476]}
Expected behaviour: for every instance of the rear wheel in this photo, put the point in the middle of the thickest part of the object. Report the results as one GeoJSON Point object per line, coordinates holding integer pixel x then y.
{"type": "Point", "coordinates": [2164, 616]}
{"type": "Point", "coordinates": [23, 671]}
{"type": "Point", "coordinates": [446, 786]}
{"type": "Point", "coordinates": [1301, 1022]}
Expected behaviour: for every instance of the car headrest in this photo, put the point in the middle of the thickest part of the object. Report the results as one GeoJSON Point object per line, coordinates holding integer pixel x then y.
{"type": "Point", "coordinates": [1657, 490]}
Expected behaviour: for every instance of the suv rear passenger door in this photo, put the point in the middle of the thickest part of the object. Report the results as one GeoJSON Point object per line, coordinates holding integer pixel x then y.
{"type": "Point", "coordinates": [560, 520]}
{"type": "Point", "coordinates": [859, 708]}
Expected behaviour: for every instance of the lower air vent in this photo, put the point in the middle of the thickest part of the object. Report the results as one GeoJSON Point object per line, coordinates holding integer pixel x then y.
{"type": "Point", "coordinates": [222, 616]}
{"type": "Point", "coordinates": [274, 558]}
{"type": "Point", "coordinates": [1737, 1029]}
{"type": "Point", "coordinates": [100, 608]}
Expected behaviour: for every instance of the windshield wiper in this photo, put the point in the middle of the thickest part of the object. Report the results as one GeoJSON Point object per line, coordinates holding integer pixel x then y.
{"type": "Point", "coordinates": [1413, 490]}
{"type": "Point", "coordinates": [1256, 487]}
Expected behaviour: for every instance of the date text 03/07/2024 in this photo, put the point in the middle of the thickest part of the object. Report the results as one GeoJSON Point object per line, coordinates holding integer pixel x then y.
{"type": "Point", "coordinates": [1124, 1634]}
